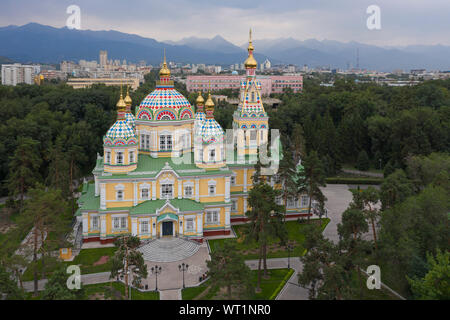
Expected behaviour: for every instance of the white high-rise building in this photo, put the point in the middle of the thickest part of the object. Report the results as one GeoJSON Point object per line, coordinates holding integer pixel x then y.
{"type": "Point", "coordinates": [103, 58]}
{"type": "Point", "coordinates": [13, 74]}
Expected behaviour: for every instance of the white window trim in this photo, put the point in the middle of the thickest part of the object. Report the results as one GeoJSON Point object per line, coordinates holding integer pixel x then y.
{"type": "Point", "coordinates": [160, 191]}
{"type": "Point", "coordinates": [117, 154]}
{"type": "Point", "coordinates": [186, 224]}
{"type": "Point", "coordinates": [211, 212]}
{"type": "Point", "coordinates": [236, 209]}
{"type": "Point", "coordinates": [92, 217]}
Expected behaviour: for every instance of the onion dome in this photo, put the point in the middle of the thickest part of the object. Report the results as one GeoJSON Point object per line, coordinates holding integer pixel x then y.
{"type": "Point", "coordinates": [165, 103]}
{"type": "Point", "coordinates": [211, 130]}
{"type": "Point", "coordinates": [120, 133]}
{"type": "Point", "coordinates": [250, 62]}
{"type": "Point", "coordinates": [128, 114]}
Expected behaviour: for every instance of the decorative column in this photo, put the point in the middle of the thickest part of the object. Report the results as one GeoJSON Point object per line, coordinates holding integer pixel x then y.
{"type": "Point", "coordinates": [200, 224]}
{"type": "Point", "coordinates": [153, 220]}
{"type": "Point", "coordinates": [245, 205]}
{"type": "Point", "coordinates": [153, 190]}
{"type": "Point", "coordinates": [227, 217]}
{"type": "Point", "coordinates": [227, 189]}
{"type": "Point", "coordinates": [245, 179]}
{"type": "Point", "coordinates": [135, 194]}
{"type": "Point", "coordinates": [180, 194]}
{"type": "Point", "coordinates": [103, 226]}
{"type": "Point", "coordinates": [103, 196]}
{"type": "Point", "coordinates": [134, 226]}
{"type": "Point", "coordinates": [97, 192]}
{"type": "Point", "coordinates": [197, 190]}
{"type": "Point", "coordinates": [85, 223]}
{"type": "Point", "coordinates": [181, 225]}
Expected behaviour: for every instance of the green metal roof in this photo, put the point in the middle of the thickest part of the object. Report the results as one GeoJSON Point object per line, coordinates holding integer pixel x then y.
{"type": "Point", "coordinates": [150, 206]}
{"type": "Point", "coordinates": [88, 200]}
{"type": "Point", "coordinates": [149, 167]}
{"type": "Point", "coordinates": [167, 216]}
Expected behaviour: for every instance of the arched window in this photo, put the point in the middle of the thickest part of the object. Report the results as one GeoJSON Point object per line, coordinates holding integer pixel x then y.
{"type": "Point", "coordinates": [165, 118]}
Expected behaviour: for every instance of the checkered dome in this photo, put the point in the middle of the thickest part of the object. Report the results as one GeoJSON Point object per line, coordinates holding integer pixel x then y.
{"type": "Point", "coordinates": [131, 120]}
{"type": "Point", "coordinates": [211, 131]}
{"type": "Point", "coordinates": [165, 98]}
{"type": "Point", "coordinates": [199, 118]}
{"type": "Point", "coordinates": [120, 130]}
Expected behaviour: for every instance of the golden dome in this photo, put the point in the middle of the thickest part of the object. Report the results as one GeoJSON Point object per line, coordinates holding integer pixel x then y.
{"type": "Point", "coordinates": [200, 101]}
{"type": "Point", "coordinates": [165, 71]}
{"type": "Point", "coordinates": [250, 62]}
{"type": "Point", "coordinates": [209, 102]}
{"type": "Point", "coordinates": [121, 105]}
{"type": "Point", "coordinates": [127, 99]}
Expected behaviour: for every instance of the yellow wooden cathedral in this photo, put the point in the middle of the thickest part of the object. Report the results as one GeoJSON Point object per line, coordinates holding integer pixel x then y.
{"type": "Point", "coordinates": [164, 172]}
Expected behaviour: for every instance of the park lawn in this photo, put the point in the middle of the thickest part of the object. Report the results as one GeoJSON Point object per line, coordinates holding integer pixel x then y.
{"type": "Point", "coordinates": [250, 250]}
{"type": "Point", "coordinates": [92, 289]}
{"type": "Point", "coordinates": [85, 259]}
{"type": "Point", "coordinates": [269, 287]}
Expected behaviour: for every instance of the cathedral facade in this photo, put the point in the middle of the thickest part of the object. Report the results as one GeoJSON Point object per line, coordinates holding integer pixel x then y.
{"type": "Point", "coordinates": [164, 170]}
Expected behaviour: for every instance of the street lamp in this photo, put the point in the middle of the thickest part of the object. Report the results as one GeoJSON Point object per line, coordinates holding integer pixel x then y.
{"type": "Point", "coordinates": [183, 267]}
{"type": "Point", "coordinates": [156, 270]}
{"type": "Point", "coordinates": [289, 248]}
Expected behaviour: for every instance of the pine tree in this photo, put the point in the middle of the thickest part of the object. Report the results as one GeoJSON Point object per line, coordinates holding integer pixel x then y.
{"type": "Point", "coordinates": [363, 163]}
{"type": "Point", "coordinates": [227, 268]}
{"type": "Point", "coordinates": [311, 178]}
{"type": "Point", "coordinates": [266, 220]}
{"type": "Point", "coordinates": [24, 168]}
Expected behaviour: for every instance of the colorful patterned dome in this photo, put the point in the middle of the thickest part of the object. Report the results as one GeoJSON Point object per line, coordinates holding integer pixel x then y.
{"type": "Point", "coordinates": [131, 120]}
{"type": "Point", "coordinates": [120, 134]}
{"type": "Point", "coordinates": [165, 103]}
{"type": "Point", "coordinates": [199, 118]}
{"type": "Point", "coordinates": [211, 131]}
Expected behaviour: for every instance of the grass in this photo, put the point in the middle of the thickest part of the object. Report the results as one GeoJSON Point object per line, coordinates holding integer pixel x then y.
{"type": "Point", "coordinates": [117, 292]}
{"type": "Point", "coordinates": [270, 287]}
{"type": "Point", "coordinates": [119, 287]}
{"type": "Point", "coordinates": [250, 250]}
{"type": "Point", "coordinates": [85, 259]}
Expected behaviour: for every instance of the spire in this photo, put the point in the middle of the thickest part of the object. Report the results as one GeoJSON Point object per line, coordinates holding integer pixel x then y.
{"type": "Point", "coordinates": [165, 71]}
{"type": "Point", "coordinates": [121, 106]}
{"type": "Point", "coordinates": [209, 106]}
{"type": "Point", "coordinates": [250, 62]}
{"type": "Point", "coordinates": [128, 100]}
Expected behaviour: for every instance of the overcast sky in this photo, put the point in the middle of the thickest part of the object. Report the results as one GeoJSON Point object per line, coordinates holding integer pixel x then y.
{"type": "Point", "coordinates": [403, 22]}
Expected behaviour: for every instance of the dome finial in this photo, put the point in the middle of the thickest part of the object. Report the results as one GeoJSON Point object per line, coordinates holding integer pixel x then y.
{"type": "Point", "coordinates": [127, 99]}
{"type": "Point", "coordinates": [165, 71]}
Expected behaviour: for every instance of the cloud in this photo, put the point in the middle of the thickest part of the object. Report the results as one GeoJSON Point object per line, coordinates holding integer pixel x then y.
{"type": "Point", "coordinates": [403, 21]}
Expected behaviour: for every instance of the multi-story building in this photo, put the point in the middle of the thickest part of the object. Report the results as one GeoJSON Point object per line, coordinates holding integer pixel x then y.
{"type": "Point", "coordinates": [78, 83]}
{"type": "Point", "coordinates": [13, 74]}
{"type": "Point", "coordinates": [103, 58]}
{"type": "Point", "coordinates": [166, 171]}
{"type": "Point", "coordinates": [269, 84]}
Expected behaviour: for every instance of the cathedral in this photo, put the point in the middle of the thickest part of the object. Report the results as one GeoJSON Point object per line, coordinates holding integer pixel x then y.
{"type": "Point", "coordinates": [164, 170]}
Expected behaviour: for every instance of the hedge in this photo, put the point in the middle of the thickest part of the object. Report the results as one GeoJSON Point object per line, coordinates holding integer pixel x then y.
{"type": "Point", "coordinates": [341, 180]}
{"type": "Point", "coordinates": [281, 285]}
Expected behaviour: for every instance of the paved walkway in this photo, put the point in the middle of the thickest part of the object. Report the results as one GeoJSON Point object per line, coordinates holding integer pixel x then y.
{"type": "Point", "coordinates": [291, 291]}
{"type": "Point", "coordinates": [91, 278]}
{"type": "Point", "coordinates": [174, 294]}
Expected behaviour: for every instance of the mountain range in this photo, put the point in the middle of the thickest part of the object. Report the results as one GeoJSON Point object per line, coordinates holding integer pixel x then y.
{"type": "Point", "coordinates": [39, 43]}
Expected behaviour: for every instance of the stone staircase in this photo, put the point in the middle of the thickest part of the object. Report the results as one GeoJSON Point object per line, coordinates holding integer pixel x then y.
{"type": "Point", "coordinates": [168, 249]}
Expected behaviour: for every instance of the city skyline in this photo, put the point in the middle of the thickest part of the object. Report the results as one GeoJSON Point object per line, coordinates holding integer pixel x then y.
{"type": "Point", "coordinates": [402, 23]}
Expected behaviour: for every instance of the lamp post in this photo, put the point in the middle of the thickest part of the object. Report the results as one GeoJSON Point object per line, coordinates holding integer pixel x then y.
{"type": "Point", "coordinates": [156, 270]}
{"type": "Point", "coordinates": [183, 267]}
{"type": "Point", "coordinates": [289, 248]}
